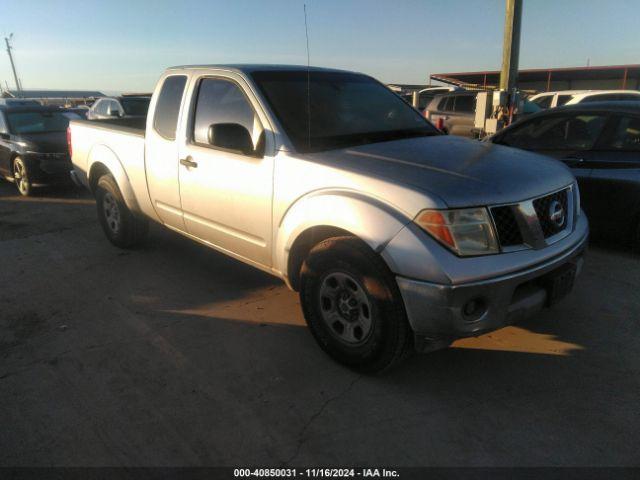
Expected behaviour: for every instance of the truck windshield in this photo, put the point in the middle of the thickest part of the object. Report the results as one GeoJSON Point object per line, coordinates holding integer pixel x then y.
{"type": "Point", "coordinates": [328, 110]}
{"type": "Point", "coordinates": [38, 122]}
{"type": "Point", "coordinates": [135, 106]}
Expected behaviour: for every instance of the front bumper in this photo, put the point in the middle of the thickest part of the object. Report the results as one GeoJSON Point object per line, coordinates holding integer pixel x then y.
{"type": "Point", "coordinates": [436, 311]}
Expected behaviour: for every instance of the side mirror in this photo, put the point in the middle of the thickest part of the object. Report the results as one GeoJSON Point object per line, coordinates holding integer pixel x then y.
{"type": "Point", "coordinates": [231, 136]}
{"type": "Point", "coordinates": [5, 136]}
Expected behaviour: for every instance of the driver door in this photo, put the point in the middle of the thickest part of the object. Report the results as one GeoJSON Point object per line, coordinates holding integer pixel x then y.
{"type": "Point", "coordinates": [226, 194]}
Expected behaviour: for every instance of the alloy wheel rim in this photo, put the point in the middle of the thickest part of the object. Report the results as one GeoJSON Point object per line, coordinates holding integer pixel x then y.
{"type": "Point", "coordinates": [20, 176]}
{"type": "Point", "coordinates": [345, 308]}
{"type": "Point", "coordinates": [111, 212]}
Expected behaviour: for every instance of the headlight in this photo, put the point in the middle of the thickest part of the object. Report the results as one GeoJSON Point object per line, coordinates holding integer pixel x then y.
{"type": "Point", "coordinates": [466, 231]}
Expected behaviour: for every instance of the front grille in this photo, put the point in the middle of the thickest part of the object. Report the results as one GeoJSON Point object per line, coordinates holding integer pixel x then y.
{"type": "Point", "coordinates": [544, 206]}
{"type": "Point", "coordinates": [506, 225]}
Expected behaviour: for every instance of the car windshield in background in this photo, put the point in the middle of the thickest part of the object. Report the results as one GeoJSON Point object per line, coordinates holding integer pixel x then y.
{"type": "Point", "coordinates": [346, 109]}
{"type": "Point", "coordinates": [135, 106]}
{"type": "Point", "coordinates": [38, 122]}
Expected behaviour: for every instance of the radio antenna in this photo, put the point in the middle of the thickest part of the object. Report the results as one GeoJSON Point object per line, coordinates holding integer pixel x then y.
{"type": "Point", "coordinates": [306, 32]}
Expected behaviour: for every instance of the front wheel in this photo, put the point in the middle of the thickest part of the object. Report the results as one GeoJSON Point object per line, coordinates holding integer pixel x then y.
{"type": "Point", "coordinates": [121, 226]}
{"type": "Point", "coordinates": [21, 177]}
{"type": "Point", "coordinates": [353, 307]}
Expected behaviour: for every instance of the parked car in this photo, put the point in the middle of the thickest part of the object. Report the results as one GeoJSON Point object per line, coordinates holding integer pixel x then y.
{"type": "Point", "coordinates": [453, 113]}
{"type": "Point", "coordinates": [426, 95]}
{"type": "Point", "coordinates": [396, 236]}
{"type": "Point", "coordinates": [33, 146]}
{"type": "Point", "coordinates": [119, 107]}
{"type": "Point", "coordinates": [572, 97]}
{"type": "Point", "coordinates": [600, 142]}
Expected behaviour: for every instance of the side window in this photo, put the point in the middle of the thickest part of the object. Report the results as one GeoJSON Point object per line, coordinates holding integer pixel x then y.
{"type": "Point", "coordinates": [465, 103]}
{"type": "Point", "coordinates": [222, 101]}
{"type": "Point", "coordinates": [598, 98]}
{"type": "Point", "coordinates": [544, 102]}
{"type": "Point", "coordinates": [443, 105]}
{"type": "Point", "coordinates": [626, 136]}
{"type": "Point", "coordinates": [115, 106]}
{"type": "Point", "coordinates": [611, 97]}
{"type": "Point", "coordinates": [100, 107]}
{"type": "Point", "coordinates": [111, 106]}
{"type": "Point", "coordinates": [563, 99]}
{"type": "Point", "coordinates": [628, 96]}
{"type": "Point", "coordinates": [558, 132]}
{"type": "Point", "coordinates": [165, 120]}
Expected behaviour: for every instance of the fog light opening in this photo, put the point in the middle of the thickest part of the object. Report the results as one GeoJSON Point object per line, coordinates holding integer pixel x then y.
{"type": "Point", "coordinates": [474, 309]}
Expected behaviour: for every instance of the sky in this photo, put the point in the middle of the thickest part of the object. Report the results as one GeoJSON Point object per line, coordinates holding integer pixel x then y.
{"type": "Point", "coordinates": [124, 45]}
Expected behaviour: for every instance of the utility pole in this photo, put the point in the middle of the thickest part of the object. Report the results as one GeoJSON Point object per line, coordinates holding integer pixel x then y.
{"type": "Point", "coordinates": [13, 66]}
{"type": "Point", "coordinates": [511, 52]}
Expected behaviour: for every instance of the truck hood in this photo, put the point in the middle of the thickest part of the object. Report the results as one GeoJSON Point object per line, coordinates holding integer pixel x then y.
{"type": "Point", "coordinates": [461, 172]}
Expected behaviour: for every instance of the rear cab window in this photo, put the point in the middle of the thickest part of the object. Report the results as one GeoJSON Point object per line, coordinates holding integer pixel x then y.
{"type": "Point", "coordinates": [165, 119]}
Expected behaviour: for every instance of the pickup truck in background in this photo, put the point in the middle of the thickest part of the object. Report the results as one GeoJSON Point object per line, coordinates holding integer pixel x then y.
{"type": "Point", "coordinates": [397, 237]}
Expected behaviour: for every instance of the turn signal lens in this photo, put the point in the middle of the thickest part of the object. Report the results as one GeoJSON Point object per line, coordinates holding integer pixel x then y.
{"type": "Point", "coordinates": [465, 231]}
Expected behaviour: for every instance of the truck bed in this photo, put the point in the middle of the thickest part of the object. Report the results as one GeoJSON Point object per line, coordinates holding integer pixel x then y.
{"type": "Point", "coordinates": [135, 126]}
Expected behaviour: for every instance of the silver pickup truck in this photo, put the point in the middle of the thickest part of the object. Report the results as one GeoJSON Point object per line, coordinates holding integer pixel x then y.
{"type": "Point", "coordinates": [397, 237]}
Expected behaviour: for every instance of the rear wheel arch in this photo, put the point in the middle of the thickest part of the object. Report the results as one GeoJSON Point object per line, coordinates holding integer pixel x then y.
{"type": "Point", "coordinates": [103, 160]}
{"type": "Point", "coordinates": [98, 169]}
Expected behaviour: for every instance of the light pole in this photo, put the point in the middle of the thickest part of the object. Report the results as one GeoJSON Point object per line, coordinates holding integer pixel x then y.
{"type": "Point", "coordinates": [511, 52]}
{"type": "Point", "coordinates": [13, 66]}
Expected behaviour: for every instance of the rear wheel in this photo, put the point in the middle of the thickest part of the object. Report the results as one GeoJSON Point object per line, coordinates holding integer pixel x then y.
{"type": "Point", "coordinates": [353, 307]}
{"type": "Point", "coordinates": [121, 226]}
{"type": "Point", "coordinates": [21, 177]}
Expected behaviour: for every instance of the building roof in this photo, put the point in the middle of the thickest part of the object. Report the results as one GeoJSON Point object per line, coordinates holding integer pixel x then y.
{"type": "Point", "coordinates": [491, 78]}
{"type": "Point", "coordinates": [53, 94]}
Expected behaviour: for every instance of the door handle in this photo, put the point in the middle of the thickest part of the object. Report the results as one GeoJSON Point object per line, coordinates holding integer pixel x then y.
{"type": "Point", "coordinates": [188, 162]}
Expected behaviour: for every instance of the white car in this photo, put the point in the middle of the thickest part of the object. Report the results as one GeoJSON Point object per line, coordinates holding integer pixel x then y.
{"type": "Point", "coordinates": [571, 97]}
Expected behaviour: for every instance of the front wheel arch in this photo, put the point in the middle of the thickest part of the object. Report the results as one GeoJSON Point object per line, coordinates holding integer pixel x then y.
{"type": "Point", "coordinates": [303, 244]}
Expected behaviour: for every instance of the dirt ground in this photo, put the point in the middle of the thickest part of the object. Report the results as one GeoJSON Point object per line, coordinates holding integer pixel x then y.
{"type": "Point", "coordinates": [174, 354]}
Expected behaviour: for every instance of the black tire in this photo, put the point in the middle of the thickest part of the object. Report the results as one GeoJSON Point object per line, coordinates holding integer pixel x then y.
{"type": "Point", "coordinates": [21, 177]}
{"type": "Point", "coordinates": [341, 260]}
{"type": "Point", "coordinates": [123, 228]}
